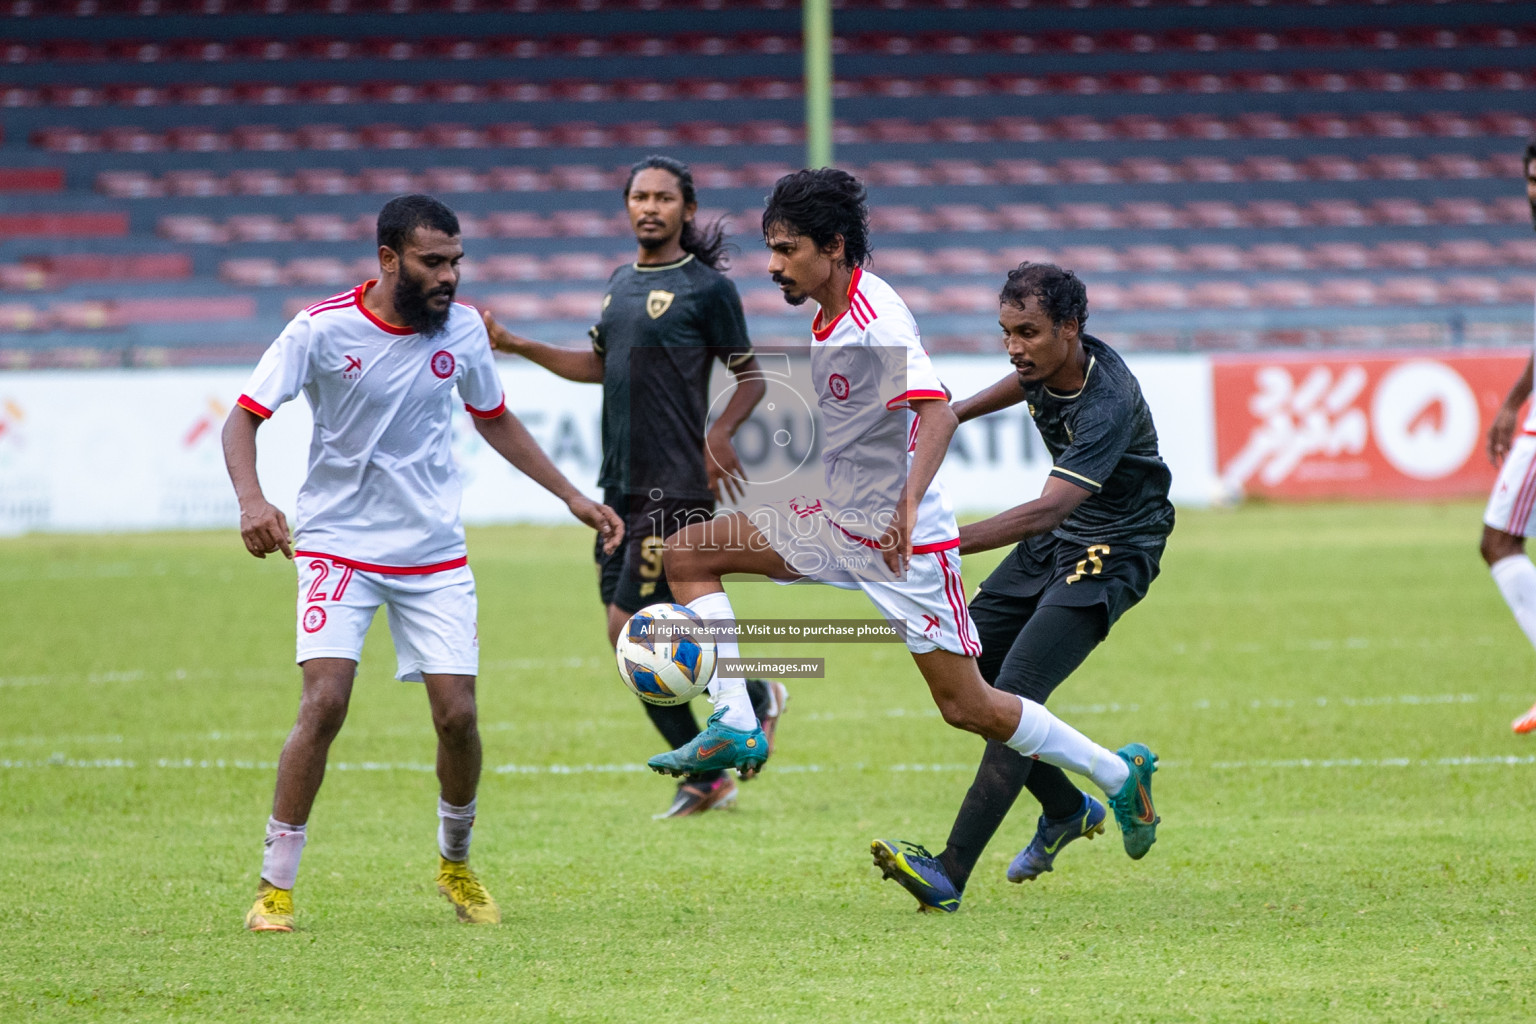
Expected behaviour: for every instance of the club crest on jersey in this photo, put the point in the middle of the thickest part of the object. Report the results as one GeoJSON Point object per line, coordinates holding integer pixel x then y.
{"type": "Point", "coordinates": [353, 369]}
{"type": "Point", "coordinates": [314, 619]}
{"type": "Point", "coordinates": [838, 385]}
{"type": "Point", "coordinates": [442, 364]}
{"type": "Point", "coordinates": [658, 302]}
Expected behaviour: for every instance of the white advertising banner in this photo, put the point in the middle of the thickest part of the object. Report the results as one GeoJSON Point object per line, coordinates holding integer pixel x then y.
{"type": "Point", "coordinates": [140, 449]}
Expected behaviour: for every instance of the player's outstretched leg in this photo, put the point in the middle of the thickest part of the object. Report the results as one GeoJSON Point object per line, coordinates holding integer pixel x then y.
{"type": "Point", "coordinates": [718, 747]}
{"type": "Point", "coordinates": [917, 871]}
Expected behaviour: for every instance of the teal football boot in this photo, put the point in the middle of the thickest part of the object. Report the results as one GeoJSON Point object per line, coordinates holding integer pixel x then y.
{"type": "Point", "coordinates": [1134, 813]}
{"type": "Point", "coordinates": [717, 748]}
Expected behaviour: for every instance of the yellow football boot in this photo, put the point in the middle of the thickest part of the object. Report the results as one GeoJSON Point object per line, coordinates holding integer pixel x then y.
{"type": "Point", "coordinates": [463, 889]}
{"type": "Point", "coordinates": [272, 911]}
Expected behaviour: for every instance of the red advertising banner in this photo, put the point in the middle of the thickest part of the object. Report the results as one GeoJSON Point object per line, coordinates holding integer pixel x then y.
{"type": "Point", "coordinates": [1383, 425]}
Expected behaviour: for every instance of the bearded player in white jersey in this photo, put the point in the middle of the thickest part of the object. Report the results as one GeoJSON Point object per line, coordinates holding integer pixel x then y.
{"type": "Point", "coordinates": [378, 522]}
{"type": "Point", "coordinates": [882, 524]}
{"type": "Point", "coordinates": [1511, 513]}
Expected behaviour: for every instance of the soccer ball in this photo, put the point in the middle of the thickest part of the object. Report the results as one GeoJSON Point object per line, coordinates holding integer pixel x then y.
{"type": "Point", "coordinates": [671, 669]}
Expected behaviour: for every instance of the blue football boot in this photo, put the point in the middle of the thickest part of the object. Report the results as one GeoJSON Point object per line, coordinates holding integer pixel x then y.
{"type": "Point", "coordinates": [918, 872]}
{"type": "Point", "coordinates": [1134, 813]}
{"type": "Point", "coordinates": [717, 748]}
{"type": "Point", "coordinates": [1051, 834]}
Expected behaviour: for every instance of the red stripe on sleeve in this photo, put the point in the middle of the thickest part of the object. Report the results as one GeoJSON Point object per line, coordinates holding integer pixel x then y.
{"type": "Point", "coordinates": [907, 396]}
{"type": "Point", "coordinates": [250, 404]}
{"type": "Point", "coordinates": [490, 415]}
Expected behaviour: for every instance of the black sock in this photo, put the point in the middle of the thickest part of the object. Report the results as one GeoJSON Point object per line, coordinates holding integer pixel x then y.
{"type": "Point", "coordinates": [1001, 775]}
{"type": "Point", "coordinates": [1051, 643]}
{"type": "Point", "coordinates": [757, 691]}
{"type": "Point", "coordinates": [677, 726]}
{"type": "Point", "coordinates": [1058, 797]}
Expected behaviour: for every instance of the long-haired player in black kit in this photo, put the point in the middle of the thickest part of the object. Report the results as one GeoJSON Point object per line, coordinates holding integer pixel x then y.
{"type": "Point", "coordinates": [666, 318]}
{"type": "Point", "coordinates": [1086, 550]}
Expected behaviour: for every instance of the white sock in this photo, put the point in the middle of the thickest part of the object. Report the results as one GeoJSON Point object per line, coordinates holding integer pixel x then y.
{"type": "Point", "coordinates": [454, 826]}
{"type": "Point", "coordinates": [280, 859]}
{"type": "Point", "coordinates": [1516, 578]}
{"type": "Point", "coordinates": [726, 692]}
{"type": "Point", "coordinates": [1043, 735]}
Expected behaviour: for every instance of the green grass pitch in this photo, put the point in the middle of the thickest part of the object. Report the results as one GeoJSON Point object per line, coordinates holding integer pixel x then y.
{"type": "Point", "coordinates": [1348, 823]}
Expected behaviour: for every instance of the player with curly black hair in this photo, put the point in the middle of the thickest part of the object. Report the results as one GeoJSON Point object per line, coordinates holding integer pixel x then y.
{"type": "Point", "coordinates": [1085, 552]}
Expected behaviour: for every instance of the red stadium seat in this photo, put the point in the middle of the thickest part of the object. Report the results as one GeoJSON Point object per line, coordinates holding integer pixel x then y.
{"type": "Point", "coordinates": [710, 133]}
{"type": "Point", "coordinates": [1219, 295]}
{"type": "Point", "coordinates": [318, 270]}
{"type": "Point", "coordinates": [1408, 291]}
{"type": "Point", "coordinates": [132, 139]}
{"type": "Point", "coordinates": [1091, 216]}
{"type": "Point", "coordinates": [965, 298]}
{"type": "Point", "coordinates": [1024, 172]}
{"type": "Point", "coordinates": [1027, 217]}
{"type": "Point", "coordinates": [195, 183]}
{"type": "Point", "coordinates": [763, 175]}
{"type": "Point", "coordinates": [959, 129]}
{"type": "Point", "coordinates": [1260, 124]}
{"type": "Point", "coordinates": [1156, 216]}
{"type": "Point", "coordinates": [583, 306]}
{"type": "Point", "coordinates": [1276, 213]}
{"type": "Point", "coordinates": [326, 227]}
{"type": "Point", "coordinates": [1472, 290]}
{"type": "Point", "coordinates": [164, 266]}
{"type": "Point", "coordinates": [1510, 210]}
{"type": "Point", "coordinates": [1467, 252]}
{"type": "Point", "coordinates": [1148, 170]}
{"type": "Point", "coordinates": [898, 129]}
{"type": "Point", "coordinates": [1142, 128]}
{"type": "Point", "coordinates": [583, 135]}
{"type": "Point", "coordinates": [1281, 294]}
{"type": "Point", "coordinates": [586, 224]}
{"type": "Point", "coordinates": [23, 277]}
{"type": "Point", "coordinates": [508, 267]}
{"type": "Point", "coordinates": [1156, 295]}
{"type": "Point", "coordinates": [964, 217]}
{"type": "Point", "coordinates": [764, 302]}
{"type": "Point", "coordinates": [1344, 291]}
{"type": "Point", "coordinates": [1388, 124]}
{"type": "Point", "coordinates": [900, 219]}
{"type": "Point", "coordinates": [1337, 213]}
{"type": "Point", "coordinates": [251, 273]}
{"type": "Point", "coordinates": [1394, 167]}
{"type": "Point", "coordinates": [1208, 169]}
{"type": "Point", "coordinates": [264, 138]}
{"type": "Point", "coordinates": [324, 181]}
{"type": "Point", "coordinates": [1081, 128]}
{"type": "Point", "coordinates": [1020, 129]}
{"type": "Point", "coordinates": [515, 306]}
{"type": "Point", "coordinates": [518, 179]}
{"type": "Point", "coordinates": [453, 179]}
{"type": "Point", "coordinates": [1325, 125]}
{"type": "Point", "coordinates": [197, 139]}
{"type": "Point", "coordinates": [1278, 256]}
{"type": "Point", "coordinates": [1400, 212]}
{"type": "Point", "coordinates": [901, 263]}
{"type": "Point", "coordinates": [585, 178]}
{"type": "Point", "coordinates": [578, 266]}
{"type": "Point", "coordinates": [456, 136]}
{"type": "Point", "coordinates": [1154, 258]}
{"type": "Point", "coordinates": [517, 135]}
{"type": "Point", "coordinates": [1078, 171]}
{"type": "Point", "coordinates": [1519, 252]}
{"type": "Point", "coordinates": [1332, 168]}
{"type": "Point", "coordinates": [1340, 256]}
{"type": "Point", "coordinates": [1449, 124]}
{"type": "Point", "coordinates": [711, 176]}
{"type": "Point", "coordinates": [1270, 168]}
{"type": "Point", "coordinates": [1456, 166]}
{"type": "Point", "coordinates": [897, 172]}
{"type": "Point", "coordinates": [337, 138]}
{"type": "Point", "coordinates": [259, 227]}
{"type": "Point", "coordinates": [1518, 289]}
{"type": "Point", "coordinates": [396, 180]}
{"type": "Point", "coordinates": [192, 228]}
{"type": "Point", "coordinates": [961, 260]}
{"type": "Point", "coordinates": [771, 133]}
{"type": "Point", "coordinates": [1215, 214]}
{"type": "Point", "coordinates": [129, 185]}
{"type": "Point", "coordinates": [1013, 255]}
{"type": "Point", "coordinates": [1212, 256]}
{"type": "Point", "coordinates": [1403, 255]}
{"type": "Point", "coordinates": [963, 172]}
{"type": "Point", "coordinates": [1091, 259]}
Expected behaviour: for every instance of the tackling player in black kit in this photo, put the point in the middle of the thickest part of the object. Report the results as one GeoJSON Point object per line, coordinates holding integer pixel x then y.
{"type": "Point", "coordinates": [1087, 550]}
{"type": "Point", "coordinates": [666, 318]}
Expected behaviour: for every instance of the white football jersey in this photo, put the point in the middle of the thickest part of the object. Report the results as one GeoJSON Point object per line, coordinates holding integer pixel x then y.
{"type": "Point", "coordinates": [382, 493]}
{"type": "Point", "coordinates": [867, 364]}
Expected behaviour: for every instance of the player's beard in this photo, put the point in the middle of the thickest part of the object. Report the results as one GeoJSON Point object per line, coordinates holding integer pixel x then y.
{"type": "Point", "coordinates": [411, 295]}
{"type": "Point", "coordinates": [789, 297]}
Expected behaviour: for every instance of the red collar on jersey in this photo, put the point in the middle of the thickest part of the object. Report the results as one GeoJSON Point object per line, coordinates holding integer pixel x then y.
{"type": "Point", "coordinates": [380, 324]}
{"type": "Point", "coordinates": [821, 333]}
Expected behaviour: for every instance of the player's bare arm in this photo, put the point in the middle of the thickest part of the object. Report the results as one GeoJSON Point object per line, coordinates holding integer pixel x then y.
{"type": "Point", "coordinates": [726, 474]}
{"type": "Point", "coordinates": [1502, 431]}
{"type": "Point", "coordinates": [936, 424]}
{"type": "Point", "coordinates": [511, 439]}
{"type": "Point", "coordinates": [1044, 514]}
{"type": "Point", "coordinates": [582, 365]}
{"type": "Point", "coordinates": [263, 527]}
{"type": "Point", "coordinates": [995, 398]}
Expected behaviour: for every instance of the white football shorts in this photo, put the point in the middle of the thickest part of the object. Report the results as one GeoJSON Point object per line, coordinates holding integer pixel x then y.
{"type": "Point", "coordinates": [929, 600]}
{"type": "Point", "coordinates": [432, 616]}
{"type": "Point", "coordinates": [1513, 501]}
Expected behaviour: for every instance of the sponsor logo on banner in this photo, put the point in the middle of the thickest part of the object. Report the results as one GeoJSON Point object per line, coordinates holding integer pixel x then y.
{"type": "Point", "coordinates": [1359, 426]}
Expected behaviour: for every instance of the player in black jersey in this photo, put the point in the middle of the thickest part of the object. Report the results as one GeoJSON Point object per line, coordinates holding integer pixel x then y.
{"type": "Point", "coordinates": [666, 318]}
{"type": "Point", "coordinates": [1086, 551]}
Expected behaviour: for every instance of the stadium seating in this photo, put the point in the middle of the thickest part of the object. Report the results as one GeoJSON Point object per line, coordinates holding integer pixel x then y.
{"type": "Point", "coordinates": [1367, 159]}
